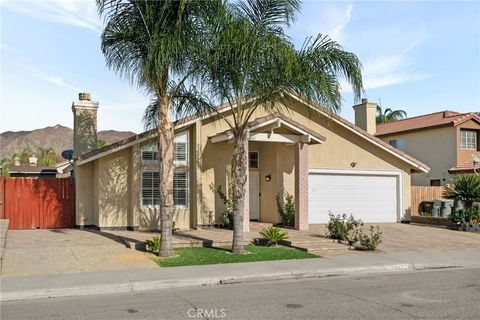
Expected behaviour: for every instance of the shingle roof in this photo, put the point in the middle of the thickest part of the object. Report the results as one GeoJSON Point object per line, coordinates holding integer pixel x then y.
{"type": "Point", "coordinates": [432, 120]}
{"type": "Point", "coordinates": [465, 167]}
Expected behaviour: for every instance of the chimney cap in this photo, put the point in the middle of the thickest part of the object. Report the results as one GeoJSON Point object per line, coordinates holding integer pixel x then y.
{"type": "Point", "coordinates": [84, 96]}
{"type": "Point", "coordinates": [364, 100]}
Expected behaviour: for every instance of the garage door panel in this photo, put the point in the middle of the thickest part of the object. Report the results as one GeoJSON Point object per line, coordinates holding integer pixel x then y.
{"type": "Point", "coordinates": [368, 197]}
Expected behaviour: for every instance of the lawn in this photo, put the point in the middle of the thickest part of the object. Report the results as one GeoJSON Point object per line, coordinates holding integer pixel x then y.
{"type": "Point", "coordinates": [200, 256]}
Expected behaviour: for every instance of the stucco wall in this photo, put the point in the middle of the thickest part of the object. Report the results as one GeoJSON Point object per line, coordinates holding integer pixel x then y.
{"type": "Point", "coordinates": [338, 152]}
{"type": "Point", "coordinates": [434, 147]}
{"type": "Point", "coordinates": [84, 194]}
{"type": "Point", "coordinates": [466, 155]}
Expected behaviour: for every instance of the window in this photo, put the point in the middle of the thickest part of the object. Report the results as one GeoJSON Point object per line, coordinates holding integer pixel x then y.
{"type": "Point", "coordinates": [435, 183]}
{"type": "Point", "coordinates": [180, 187]}
{"type": "Point", "coordinates": [150, 188]}
{"type": "Point", "coordinates": [180, 147]}
{"type": "Point", "coordinates": [150, 153]}
{"type": "Point", "coordinates": [253, 160]}
{"type": "Point", "coordinates": [468, 139]}
{"type": "Point", "coordinates": [398, 143]}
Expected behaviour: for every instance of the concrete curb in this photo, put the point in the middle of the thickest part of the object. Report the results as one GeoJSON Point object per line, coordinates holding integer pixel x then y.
{"type": "Point", "coordinates": [133, 286]}
{"type": "Point", "coordinates": [3, 236]}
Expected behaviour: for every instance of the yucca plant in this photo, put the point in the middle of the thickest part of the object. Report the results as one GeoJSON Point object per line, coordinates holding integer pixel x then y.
{"type": "Point", "coordinates": [153, 245]}
{"type": "Point", "coordinates": [273, 235]}
{"type": "Point", "coordinates": [465, 188]}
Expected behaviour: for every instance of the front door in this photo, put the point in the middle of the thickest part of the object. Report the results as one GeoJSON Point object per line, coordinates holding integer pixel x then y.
{"type": "Point", "coordinates": [254, 194]}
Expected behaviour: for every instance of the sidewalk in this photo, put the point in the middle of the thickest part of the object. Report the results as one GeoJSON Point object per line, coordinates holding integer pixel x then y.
{"type": "Point", "coordinates": [79, 284]}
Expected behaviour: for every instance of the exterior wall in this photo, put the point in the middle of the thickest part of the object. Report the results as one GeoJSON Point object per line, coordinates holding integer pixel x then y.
{"type": "Point", "coordinates": [435, 147]}
{"type": "Point", "coordinates": [340, 150]}
{"type": "Point", "coordinates": [466, 155]}
{"type": "Point", "coordinates": [84, 195]}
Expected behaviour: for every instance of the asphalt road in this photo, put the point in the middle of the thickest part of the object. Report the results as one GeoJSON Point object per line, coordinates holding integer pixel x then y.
{"type": "Point", "coordinates": [432, 294]}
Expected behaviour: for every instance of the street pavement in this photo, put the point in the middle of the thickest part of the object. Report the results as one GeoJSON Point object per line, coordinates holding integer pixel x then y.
{"type": "Point", "coordinates": [429, 294]}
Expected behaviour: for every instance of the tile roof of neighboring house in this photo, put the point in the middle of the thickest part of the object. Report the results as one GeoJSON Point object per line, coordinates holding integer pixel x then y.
{"type": "Point", "coordinates": [432, 120]}
{"type": "Point", "coordinates": [466, 167]}
{"type": "Point", "coordinates": [119, 145]}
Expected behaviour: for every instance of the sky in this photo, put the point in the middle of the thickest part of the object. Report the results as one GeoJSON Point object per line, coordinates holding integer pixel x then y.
{"type": "Point", "coordinates": [419, 56]}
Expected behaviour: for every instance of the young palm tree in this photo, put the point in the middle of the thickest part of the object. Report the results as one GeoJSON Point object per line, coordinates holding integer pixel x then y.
{"type": "Point", "coordinates": [22, 157]}
{"type": "Point", "coordinates": [389, 115]}
{"type": "Point", "coordinates": [151, 43]}
{"type": "Point", "coordinates": [46, 157]}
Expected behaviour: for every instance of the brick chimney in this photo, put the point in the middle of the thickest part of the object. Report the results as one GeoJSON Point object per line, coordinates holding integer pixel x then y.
{"type": "Point", "coordinates": [84, 124]}
{"type": "Point", "coordinates": [365, 116]}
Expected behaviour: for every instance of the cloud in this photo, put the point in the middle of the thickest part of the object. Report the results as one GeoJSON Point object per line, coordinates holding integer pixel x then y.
{"type": "Point", "coordinates": [388, 70]}
{"type": "Point", "coordinates": [77, 13]}
{"type": "Point", "coordinates": [54, 79]}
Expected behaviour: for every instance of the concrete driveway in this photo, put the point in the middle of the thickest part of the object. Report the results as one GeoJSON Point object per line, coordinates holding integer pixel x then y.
{"type": "Point", "coordinates": [36, 252]}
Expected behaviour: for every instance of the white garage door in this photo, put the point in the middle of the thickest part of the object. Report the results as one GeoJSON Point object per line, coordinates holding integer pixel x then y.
{"type": "Point", "coordinates": [372, 198]}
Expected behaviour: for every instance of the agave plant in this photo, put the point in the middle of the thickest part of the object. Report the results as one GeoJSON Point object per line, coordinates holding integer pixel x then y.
{"type": "Point", "coordinates": [273, 235]}
{"type": "Point", "coordinates": [463, 187]}
{"type": "Point", "coordinates": [153, 245]}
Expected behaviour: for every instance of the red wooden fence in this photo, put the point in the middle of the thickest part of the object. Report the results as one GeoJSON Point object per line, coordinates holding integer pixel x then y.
{"type": "Point", "coordinates": [38, 203]}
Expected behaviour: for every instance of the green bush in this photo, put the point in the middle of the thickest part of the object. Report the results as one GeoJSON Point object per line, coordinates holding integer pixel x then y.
{"type": "Point", "coordinates": [470, 216]}
{"type": "Point", "coordinates": [153, 245]}
{"type": "Point", "coordinates": [286, 209]}
{"type": "Point", "coordinates": [463, 187]}
{"type": "Point", "coordinates": [343, 228]}
{"type": "Point", "coordinates": [370, 241]}
{"type": "Point", "coordinates": [273, 235]}
{"type": "Point", "coordinates": [227, 215]}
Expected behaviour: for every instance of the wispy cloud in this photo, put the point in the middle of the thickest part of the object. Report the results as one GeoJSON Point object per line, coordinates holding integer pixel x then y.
{"type": "Point", "coordinates": [71, 12]}
{"type": "Point", "coordinates": [388, 70]}
{"type": "Point", "coordinates": [53, 79]}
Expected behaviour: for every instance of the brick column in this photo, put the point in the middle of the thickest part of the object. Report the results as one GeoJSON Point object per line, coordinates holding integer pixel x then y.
{"type": "Point", "coordinates": [301, 186]}
{"type": "Point", "coordinates": [246, 209]}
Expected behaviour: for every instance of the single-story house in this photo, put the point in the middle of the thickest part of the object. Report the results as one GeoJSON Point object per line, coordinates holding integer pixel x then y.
{"type": "Point", "coordinates": [326, 162]}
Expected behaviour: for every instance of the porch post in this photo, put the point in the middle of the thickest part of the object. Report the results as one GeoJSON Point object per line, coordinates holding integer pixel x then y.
{"type": "Point", "coordinates": [301, 186]}
{"type": "Point", "coordinates": [246, 208]}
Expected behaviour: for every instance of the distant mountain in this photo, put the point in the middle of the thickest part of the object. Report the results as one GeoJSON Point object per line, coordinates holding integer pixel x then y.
{"type": "Point", "coordinates": [57, 137]}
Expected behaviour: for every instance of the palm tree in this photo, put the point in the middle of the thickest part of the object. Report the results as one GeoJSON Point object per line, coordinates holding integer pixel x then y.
{"type": "Point", "coordinates": [47, 157]}
{"type": "Point", "coordinates": [22, 157]}
{"type": "Point", "coordinates": [250, 63]}
{"type": "Point", "coordinates": [389, 115]}
{"type": "Point", "coordinates": [151, 43]}
{"type": "Point", "coordinates": [464, 187]}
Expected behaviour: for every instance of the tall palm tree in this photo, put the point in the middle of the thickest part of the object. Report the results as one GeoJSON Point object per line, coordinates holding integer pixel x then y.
{"type": "Point", "coordinates": [250, 63]}
{"type": "Point", "coordinates": [389, 115]}
{"type": "Point", "coordinates": [151, 43]}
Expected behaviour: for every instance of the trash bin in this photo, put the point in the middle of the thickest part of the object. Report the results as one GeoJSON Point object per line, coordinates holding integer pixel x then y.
{"type": "Point", "coordinates": [427, 207]}
{"type": "Point", "coordinates": [457, 205]}
{"type": "Point", "coordinates": [446, 207]}
{"type": "Point", "coordinates": [437, 205]}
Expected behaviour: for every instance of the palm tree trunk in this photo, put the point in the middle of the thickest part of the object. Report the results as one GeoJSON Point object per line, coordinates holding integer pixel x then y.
{"type": "Point", "coordinates": [239, 179]}
{"type": "Point", "coordinates": [165, 159]}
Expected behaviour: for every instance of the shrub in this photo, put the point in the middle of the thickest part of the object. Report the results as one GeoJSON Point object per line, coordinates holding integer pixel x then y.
{"type": "Point", "coordinates": [286, 209]}
{"type": "Point", "coordinates": [370, 241]}
{"type": "Point", "coordinates": [153, 245]}
{"type": "Point", "coordinates": [463, 187]}
{"type": "Point", "coordinates": [470, 216]}
{"type": "Point", "coordinates": [344, 229]}
{"type": "Point", "coordinates": [273, 235]}
{"type": "Point", "coordinates": [227, 215]}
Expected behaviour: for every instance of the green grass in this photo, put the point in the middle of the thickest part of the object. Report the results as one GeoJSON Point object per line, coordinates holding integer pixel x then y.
{"type": "Point", "coordinates": [202, 256]}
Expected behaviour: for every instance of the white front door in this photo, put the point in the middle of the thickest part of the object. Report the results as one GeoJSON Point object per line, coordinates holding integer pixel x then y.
{"type": "Point", "coordinates": [253, 194]}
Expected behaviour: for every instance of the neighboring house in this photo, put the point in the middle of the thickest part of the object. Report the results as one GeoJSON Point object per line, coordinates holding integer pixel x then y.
{"type": "Point", "coordinates": [326, 162]}
{"type": "Point", "coordinates": [32, 172]}
{"type": "Point", "coordinates": [444, 140]}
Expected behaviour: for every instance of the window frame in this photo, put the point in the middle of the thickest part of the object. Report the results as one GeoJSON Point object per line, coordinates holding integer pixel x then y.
{"type": "Point", "coordinates": [475, 139]}
{"type": "Point", "coordinates": [181, 136]}
{"type": "Point", "coordinates": [258, 160]}
{"type": "Point", "coordinates": [152, 147]}
{"type": "Point", "coordinates": [153, 205]}
{"type": "Point", "coordinates": [187, 188]}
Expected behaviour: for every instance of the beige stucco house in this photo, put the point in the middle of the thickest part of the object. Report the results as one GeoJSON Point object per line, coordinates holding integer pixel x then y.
{"type": "Point", "coordinates": [326, 162]}
{"type": "Point", "coordinates": [444, 140]}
